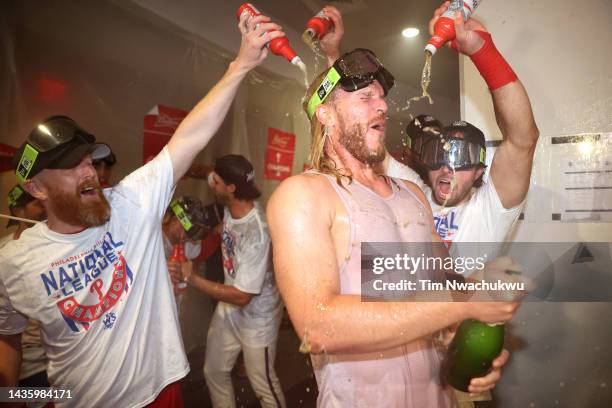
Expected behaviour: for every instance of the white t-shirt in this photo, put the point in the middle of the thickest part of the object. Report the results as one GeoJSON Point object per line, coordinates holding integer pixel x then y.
{"type": "Point", "coordinates": [247, 264]}
{"type": "Point", "coordinates": [401, 171]}
{"type": "Point", "coordinates": [482, 218]}
{"type": "Point", "coordinates": [33, 357]}
{"type": "Point", "coordinates": [103, 297]}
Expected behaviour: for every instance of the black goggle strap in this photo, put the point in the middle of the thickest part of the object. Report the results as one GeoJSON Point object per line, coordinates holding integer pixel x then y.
{"type": "Point", "coordinates": [182, 216]}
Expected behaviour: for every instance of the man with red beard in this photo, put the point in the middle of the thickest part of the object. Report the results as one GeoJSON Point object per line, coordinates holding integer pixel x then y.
{"type": "Point", "coordinates": [94, 274]}
{"type": "Point", "coordinates": [363, 353]}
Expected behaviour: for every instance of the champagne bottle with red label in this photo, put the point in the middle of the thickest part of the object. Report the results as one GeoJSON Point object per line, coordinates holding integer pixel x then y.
{"type": "Point", "coordinates": [278, 46]}
{"type": "Point", "coordinates": [444, 29]}
{"type": "Point", "coordinates": [178, 255]}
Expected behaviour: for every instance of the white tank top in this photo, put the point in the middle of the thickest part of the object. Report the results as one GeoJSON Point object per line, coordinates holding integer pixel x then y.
{"type": "Point", "coordinates": [406, 376]}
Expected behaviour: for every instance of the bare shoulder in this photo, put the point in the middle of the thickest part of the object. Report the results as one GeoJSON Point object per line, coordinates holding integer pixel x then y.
{"type": "Point", "coordinates": [305, 202]}
{"type": "Point", "coordinates": [302, 190]}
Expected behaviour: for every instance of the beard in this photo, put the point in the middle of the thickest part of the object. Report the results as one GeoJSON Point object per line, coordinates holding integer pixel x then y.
{"type": "Point", "coordinates": [222, 198]}
{"type": "Point", "coordinates": [354, 141]}
{"type": "Point", "coordinates": [69, 208]}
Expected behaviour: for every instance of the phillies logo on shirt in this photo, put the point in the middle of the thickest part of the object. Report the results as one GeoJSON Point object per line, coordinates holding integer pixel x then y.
{"type": "Point", "coordinates": [228, 248]}
{"type": "Point", "coordinates": [446, 227]}
{"type": "Point", "coordinates": [89, 284]}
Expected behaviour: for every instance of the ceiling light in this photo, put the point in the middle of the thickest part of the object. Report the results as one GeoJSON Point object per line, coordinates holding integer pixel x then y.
{"type": "Point", "coordinates": [410, 32]}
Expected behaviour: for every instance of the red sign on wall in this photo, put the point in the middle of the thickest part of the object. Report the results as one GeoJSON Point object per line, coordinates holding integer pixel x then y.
{"type": "Point", "coordinates": [6, 153]}
{"type": "Point", "coordinates": [159, 126]}
{"type": "Point", "coordinates": [279, 154]}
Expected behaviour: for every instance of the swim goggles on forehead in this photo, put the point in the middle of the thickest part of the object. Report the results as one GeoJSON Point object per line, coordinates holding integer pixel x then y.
{"type": "Point", "coordinates": [458, 154]}
{"type": "Point", "coordinates": [353, 71]}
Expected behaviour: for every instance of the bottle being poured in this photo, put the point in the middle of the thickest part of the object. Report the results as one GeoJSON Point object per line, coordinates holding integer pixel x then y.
{"type": "Point", "coordinates": [278, 46]}
{"type": "Point", "coordinates": [316, 28]}
{"type": "Point", "coordinates": [443, 32]}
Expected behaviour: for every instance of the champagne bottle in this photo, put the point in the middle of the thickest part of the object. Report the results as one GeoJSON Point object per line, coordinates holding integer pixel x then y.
{"type": "Point", "coordinates": [472, 351]}
{"type": "Point", "coordinates": [178, 255]}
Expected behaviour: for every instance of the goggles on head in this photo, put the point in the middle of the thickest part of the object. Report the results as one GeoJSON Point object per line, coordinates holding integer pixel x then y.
{"type": "Point", "coordinates": [353, 71]}
{"type": "Point", "coordinates": [415, 143]}
{"type": "Point", "coordinates": [181, 214]}
{"type": "Point", "coordinates": [458, 154]}
{"type": "Point", "coordinates": [56, 143]}
{"type": "Point", "coordinates": [56, 131]}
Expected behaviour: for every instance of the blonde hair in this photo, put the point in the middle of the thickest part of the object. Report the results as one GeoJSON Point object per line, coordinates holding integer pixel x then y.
{"type": "Point", "coordinates": [319, 160]}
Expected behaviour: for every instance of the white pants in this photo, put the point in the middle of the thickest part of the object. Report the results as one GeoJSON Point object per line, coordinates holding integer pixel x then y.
{"type": "Point", "coordinates": [222, 349]}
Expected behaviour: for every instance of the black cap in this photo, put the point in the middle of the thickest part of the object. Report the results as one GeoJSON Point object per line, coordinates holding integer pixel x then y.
{"type": "Point", "coordinates": [109, 160]}
{"type": "Point", "coordinates": [466, 131]}
{"type": "Point", "coordinates": [421, 123]}
{"type": "Point", "coordinates": [17, 198]}
{"type": "Point", "coordinates": [56, 143]}
{"type": "Point", "coordinates": [236, 169]}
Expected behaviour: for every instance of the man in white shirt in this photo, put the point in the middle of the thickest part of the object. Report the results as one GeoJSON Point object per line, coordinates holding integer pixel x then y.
{"type": "Point", "coordinates": [249, 311]}
{"type": "Point", "coordinates": [467, 208]}
{"type": "Point", "coordinates": [33, 370]}
{"type": "Point", "coordinates": [94, 274]}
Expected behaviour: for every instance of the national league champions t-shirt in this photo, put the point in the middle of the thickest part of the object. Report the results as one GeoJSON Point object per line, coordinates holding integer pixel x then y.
{"type": "Point", "coordinates": [103, 297]}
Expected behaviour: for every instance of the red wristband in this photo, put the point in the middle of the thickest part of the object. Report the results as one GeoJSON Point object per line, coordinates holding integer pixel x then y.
{"type": "Point", "coordinates": [491, 65]}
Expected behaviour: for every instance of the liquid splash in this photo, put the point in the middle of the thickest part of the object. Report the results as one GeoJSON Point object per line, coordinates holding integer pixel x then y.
{"type": "Point", "coordinates": [425, 82]}
{"type": "Point", "coordinates": [302, 68]}
{"type": "Point", "coordinates": [305, 345]}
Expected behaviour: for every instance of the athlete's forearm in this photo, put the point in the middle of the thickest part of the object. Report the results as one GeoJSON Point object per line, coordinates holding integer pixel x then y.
{"type": "Point", "coordinates": [219, 291]}
{"type": "Point", "coordinates": [346, 324]}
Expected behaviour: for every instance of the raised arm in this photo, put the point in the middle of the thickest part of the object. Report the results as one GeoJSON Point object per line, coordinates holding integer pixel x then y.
{"type": "Point", "coordinates": [206, 117]}
{"type": "Point", "coordinates": [511, 167]}
{"type": "Point", "coordinates": [300, 218]}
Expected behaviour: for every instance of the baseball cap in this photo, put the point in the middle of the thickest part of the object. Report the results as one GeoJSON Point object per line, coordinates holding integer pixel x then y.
{"type": "Point", "coordinates": [16, 198]}
{"type": "Point", "coordinates": [418, 130]}
{"type": "Point", "coordinates": [57, 142]}
{"type": "Point", "coordinates": [236, 169]}
{"type": "Point", "coordinates": [109, 160]}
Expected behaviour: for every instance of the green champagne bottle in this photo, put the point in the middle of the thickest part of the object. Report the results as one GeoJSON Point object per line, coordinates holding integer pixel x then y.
{"type": "Point", "coordinates": [472, 351]}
